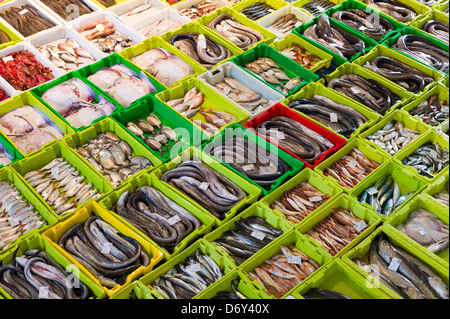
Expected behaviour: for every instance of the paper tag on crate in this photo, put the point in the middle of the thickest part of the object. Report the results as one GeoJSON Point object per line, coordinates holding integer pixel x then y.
{"type": "Point", "coordinates": [315, 199]}
{"type": "Point", "coordinates": [422, 231]}
{"type": "Point", "coordinates": [24, 11]}
{"type": "Point", "coordinates": [258, 235]}
{"type": "Point", "coordinates": [352, 163]}
{"type": "Point", "coordinates": [333, 118]}
{"type": "Point", "coordinates": [193, 268]}
{"type": "Point", "coordinates": [100, 27]}
{"type": "Point", "coordinates": [395, 263]}
{"type": "Point", "coordinates": [204, 186]}
{"type": "Point", "coordinates": [43, 292]}
{"type": "Point", "coordinates": [13, 221]}
{"type": "Point", "coordinates": [360, 225]}
{"type": "Point", "coordinates": [106, 248]}
{"type": "Point", "coordinates": [55, 172]}
{"type": "Point", "coordinates": [8, 58]}
{"type": "Point", "coordinates": [444, 109]}
{"type": "Point", "coordinates": [226, 90]}
{"type": "Point", "coordinates": [372, 191]}
{"type": "Point", "coordinates": [270, 72]}
{"type": "Point", "coordinates": [162, 29]}
{"type": "Point", "coordinates": [294, 259]}
{"type": "Point", "coordinates": [172, 221]}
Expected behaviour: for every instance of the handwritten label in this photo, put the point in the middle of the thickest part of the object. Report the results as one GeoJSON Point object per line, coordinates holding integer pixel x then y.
{"type": "Point", "coordinates": [258, 235]}
{"type": "Point", "coordinates": [43, 292]}
{"type": "Point", "coordinates": [55, 172]}
{"type": "Point", "coordinates": [360, 225]}
{"type": "Point", "coordinates": [395, 263]}
{"type": "Point", "coordinates": [174, 220]}
{"type": "Point", "coordinates": [352, 164]}
{"type": "Point", "coordinates": [106, 249]}
{"type": "Point", "coordinates": [333, 118]}
{"type": "Point", "coordinates": [193, 268]}
{"type": "Point", "coordinates": [8, 58]}
{"type": "Point", "coordinates": [294, 259]}
{"type": "Point", "coordinates": [315, 199]}
{"type": "Point", "coordinates": [421, 231]}
{"type": "Point", "coordinates": [372, 191]}
{"type": "Point", "coordinates": [204, 186]}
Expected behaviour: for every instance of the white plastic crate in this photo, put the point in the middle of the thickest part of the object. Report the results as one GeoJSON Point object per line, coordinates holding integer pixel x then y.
{"type": "Point", "coordinates": [270, 19]}
{"type": "Point", "coordinates": [123, 9]}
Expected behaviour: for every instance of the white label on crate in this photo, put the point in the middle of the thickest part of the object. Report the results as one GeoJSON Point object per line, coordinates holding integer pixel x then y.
{"type": "Point", "coordinates": [172, 221]}
{"type": "Point", "coordinates": [352, 164]}
{"type": "Point", "coordinates": [333, 118]}
{"type": "Point", "coordinates": [362, 28]}
{"type": "Point", "coordinates": [13, 221]}
{"type": "Point", "coordinates": [444, 109]}
{"type": "Point", "coordinates": [354, 91]}
{"type": "Point", "coordinates": [270, 72]}
{"type": "Point", "coordinates": [8, 58]}
{"type": "Point", "coordinates": [226, 90]}
{"type": "Point", "coordinates": [204, 186]}
{"type": "Point", "coordinates": [193, 268]}
{"type": "Point", "coordinates": [258, 235]}
{"type": "Point", "coordinates": [372, 191]}
{"type": "Point", "coordinates": [294, 259]}
{"type": "Point", "coordinates": [100, 27]}
{"type": "Point", "coordinates": [395, 263]}
{"type": "Point", "coordinates": [421, 231]}
{"type": "Point", "coordinates": [247, 168]}
{"type": "Point", "coordinates": [219, 121]}
{"type": "Point", "coordinates": [194, 10]}
{"type": "Point", "coordinates": [43, 292]}
{"type": "Point", "coordinates": [55, 172]}
{"type": "Point", "coordinates": [360, 225]}
{"type": "Point", "coordinates": [24, 11]}
{"type": "Point", "coordinates": [162, 29]}
{"type": "Point", "coordinates": [315, 199]}
{"type": "Point", "coordinates": [106, 248]}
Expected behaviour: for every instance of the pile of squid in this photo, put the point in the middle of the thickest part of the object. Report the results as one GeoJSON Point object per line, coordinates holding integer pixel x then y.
{"type": "Point", "coordinates": [337, 230]}
{"type": "Point", "coordinates": [368, 92]}
{"type": "Point", "coordinates": [157, 216]}
{"type": "Point", "coordinates": [432, 111]}
{"type": "Point", "coordinates": [340, 118]}
{"type": "Point", "coordinates": [297, 203]}
{"type": "Point", "coordinates": [423, 50]}
{"type": "Point", "coordinates": [439, 29]}
{"type": "Point", "coordinates": [61, 186]}
{"type": "Point", "coordinates": [107, 254]}
{"type": "Point", "coordinates": [112, 157]}
{"type": "Point", "coordinates": [393, 8]}
{"type": "Point", "coordinates": [235, 32]}
{"type": "Point", "coordinates": [351, 169]}
{"type": "Point", "coordinates": [250, 236]}
{"type": "Point", "coordinates": [210, 189]}
{"type": "Point", "coordinates": [384, 196]}
{"type": "Point", "coordinates": [17, 215]}
{"type": "Point", "coordinates": [334, 38]}
{"type": "Point", "coordinates": [37, 275]}
{"type": "Point", "coordinates": [260, 165]}
{"type": "Point", "coordinates": [187, 279]}
{"type": "Point", "coordinates": [296, 138]}
{"type": "Point", "coordinates": [200, 48]}
{"type": "Point", "coordinates": [363, 21]}
{"type": "Point", "coordinates": [283, 271]}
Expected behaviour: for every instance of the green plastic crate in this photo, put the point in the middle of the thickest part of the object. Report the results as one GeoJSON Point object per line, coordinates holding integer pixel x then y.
{"type": "Point", "coordinates": [307, 175]}
{"type": "Point", "coordinates": [381, 50]}
{"type": "Point", "coordinates": [269, 37]}
{"type": "Point", "coordinates": [291, 68]}
{"type": "Point", "coordinates": [237, 130]}
{"type": "Point", "coordinates": [407, 182]}
{"type": "Point", "coordinates": [361, 252]}
{"type": "Point", "coordinates": [158, 42]}
{"type": "Point", "coordinates": [420, 9]}
{"type": "Point", "coordinates": [256, 209]}
{"type": "Point", "coordinates": [146, 179]}
{"type": "Point", "coordinates": [293, 238]}
{"type": "Point", "coordinates": [421, 202]}
{"type": "Point", "coordinates": [108, 125]}
{"type": "Point", "coordinates": [397, 116]}
{"type": "Point", "coordinates": [39, 91]}
{"type": "Point", "coordinates": [26, 98]}
{"type": "Point", "coordinates": [432, 15]}
{"type": "Point", "coordinates": [276, 4]}
{"type": "Point", "coordinates": [287, 42]}
{"type": "Point", "coordinates": [40, 243]}
{"type": "Point", "coordinates": [39, 160]}
{"type": "Point", "coordinates": [192, 152]}
{"type": "Point", "coordinates": [135, 290]}
{"type": "Point", "coordinates": [350, 204]}
{"type": "Point", "coordinates": [10, 149]}
{"type": "Point", "coordinates": [368, 151]}
{"type": "Point", "coordinates": [432, 137]}
{"type": "Point", "coordinates": [7, 174]}
{"type": "Point", "coordinates": [212, 100]}
{"type": "Point", "coordinates": [404, 96]}
{"type": "Point", "coordinates": [13, 37]}
{"type": "Point", "coordinates": [339, 277]}
{"type": "Point", "coordinates": [225, 265]}
{"type": "Point", "coordinates": [440, 185]}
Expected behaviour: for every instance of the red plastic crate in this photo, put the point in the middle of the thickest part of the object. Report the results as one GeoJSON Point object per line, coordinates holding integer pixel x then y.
{"type": "Point", "coordinates": [281, 110]}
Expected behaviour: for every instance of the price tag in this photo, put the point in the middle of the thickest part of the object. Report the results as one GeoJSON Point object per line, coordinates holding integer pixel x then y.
{"type": "Point", "coordinates": [193, 268]}
{"type": "Point", "coordinates": [352, 164]}
{"type": "Point", "coordinates": [333, 118]}
{"type": "Point", "coordinates": [421, 231]}
{"type": "Point", "coordinates": [294, 260]}
{"type": "Point", "coordinates": [395, 263]}
{"type": "Point", "coordinates": [226, 90]}
{"type": "Point", "coordinates": [444, 109]}
{"type": "Point", "coordinates": [362, 28]}
{"type": "Point", "coordinates": [247, 168]}
{"type": "Point", "coordinates": [162, 29]}
{"type": "Point", "coordinates": [204, 186]}
{"type": "Point", "coordinates": [55, 172]}
{"type": "Point", "coordinates": [43, 292]}
{"type": "Point", "coordinates": [8, 58]}
{"type": "Point", "coordinates": [13, 221]}
{"type": "Point", "coordinates": [360, 225]}
{"type": "Point", "coordinates": [270, 72]}
{"type": "Point", "coordinates": [372, 191]}
{"type": "Point", "coordinates": [175, 219]}
{"type": "Point", "coordinates": [354, 91]}
{"type": "Point", "coordinates": [24, 11]}
{"type": "Point", "coordinates": [194, 10]}
{"type": "Point", "coordinates": [106, 249]}
{"type": "Point", "coordinates": [100, 27]}
{"type": "Point", "coordinates": [315, 199]}
{"type": "Point", "coordinates": [219, 122]}
{"type": "Point", "coordinates": [258, 235]}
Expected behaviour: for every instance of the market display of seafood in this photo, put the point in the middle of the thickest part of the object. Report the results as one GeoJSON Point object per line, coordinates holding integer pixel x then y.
{"type": "Point", "coordinates": [75, 101]}
{"type": "Point", "coordinates": [283, 271]}
{"type": "Point", "coordinates": [286, 23]}
{"type": "Point", "coordinates": [163, 65]}
{"type": "Point", "coordinates": [122, 84]}
{"type": "Point", "coordinates": [61, 186]}
{"type": "Point", "coordinates": [339, 117]}
{"type": "Point", "coordinates": [401, 272]}
{"type": "Point", "coordinates": [260, 165]}
{"type": "Point", "coordinates": [297, 203]}
{"type": "Point", "coordinates": [251, 235]}
{"type": "Point", "coordinates": [26, 19]}
{"type": "Point", "coordinates": [432, 111]}
{"type": "Point", "coordinates": [423, 50]}
{"type": "Point", "coordinates": [334, 38]}
{"type": "Point", "coordinates": [157, 216]}
{"type": "Point", "coordinates": [29, 129]}
{"type": "Point", "coordinates": [104, 35]}
{"type": "Point", "coordinates": [439, 29]}
{"type": "Point", "coordinates": [351, 169]}
{"type": "Point", "coordinates": [363, 21]}
{"type": "Point", "coordinates": [23, 71]}
{"type": "Point", "coordinates": [300, 55]}
{"type": "Point", "coordinates": [203, 8]}
{"type": "Point", "coordinates": [317, 7]}
{"type": "Point", "coordinates": [337, 230]}
{"type": "Point", "coordinates": [200, 48]}
{"type": "Point", "coordinates": [112, 157]}
{"type": "Point", "coordinates": [393, 8]}
{"type": "Point", "coordinates": [368, 92]}
{"type": "Point", "coordinates": [393, 137]}
{"type": "Point", "coordinates": [106, 253]}
{"type": "Point", "coordinates": [37, 275]}
{"type": "Point", "coordinates": [258, 10]}
{"type": "Point", "coordinates": [188, 278]}
{"type": "Point", "coordinates": [428, 160]}
{"type": "Point", "coordinates": [215, 192]}
{"type": "Point", "coordinates": [159, 28]}
{"type": "Point", "coordinates": [18, 216]}
{"type": "Point", "coordinates": [235, 32]}
{"type": "Point", "coordinates": [427, 229]}
{"type": "Point", "coordinates": [443, 196]}
{"type": "Point", "coordinates": [384, 196]}
{"type": "Point", "coordinates": [68, 9]}
{"type": "Point", "coordinates": [296, 138]}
